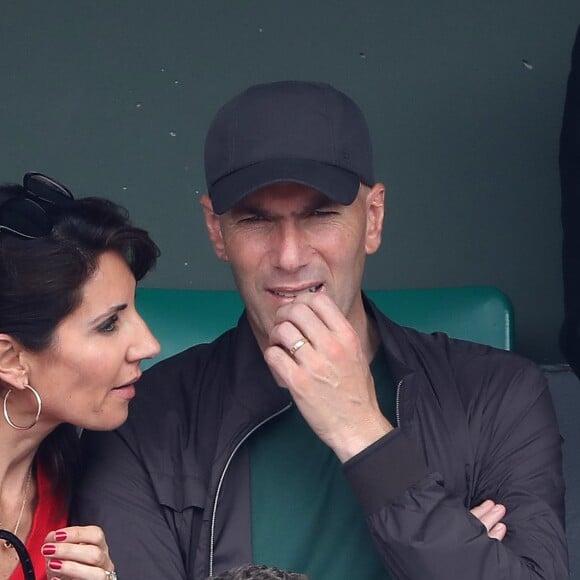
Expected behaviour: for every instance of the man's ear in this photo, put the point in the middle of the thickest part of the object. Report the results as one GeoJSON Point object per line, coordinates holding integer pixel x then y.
{"type": "Point", "coordinates": [376, 209]}
{"type": "Point", "coordinates": [12, 369]}
{"type": "Point", "coordinates": [214, 228]}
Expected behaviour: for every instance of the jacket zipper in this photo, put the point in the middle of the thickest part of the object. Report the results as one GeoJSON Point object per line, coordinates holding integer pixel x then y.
{"type": "Point", "coordinates": [397, 402]}
{"type": "Point", "coordinates": [222, 477]}
{"type": "Point", "coordinates": [242, 441]}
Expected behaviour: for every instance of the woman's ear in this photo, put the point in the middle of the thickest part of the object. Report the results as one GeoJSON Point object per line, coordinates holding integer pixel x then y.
{"type": "Point", "coordinates": [12, 370]}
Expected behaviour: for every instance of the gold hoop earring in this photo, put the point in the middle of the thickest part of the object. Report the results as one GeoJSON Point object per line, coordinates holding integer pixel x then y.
{"type": "Point", "coordinates": [39, 408]}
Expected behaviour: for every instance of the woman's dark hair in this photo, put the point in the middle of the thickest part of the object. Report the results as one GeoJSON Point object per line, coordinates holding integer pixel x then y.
{"type": "Point", "coordinates": [41, 281]}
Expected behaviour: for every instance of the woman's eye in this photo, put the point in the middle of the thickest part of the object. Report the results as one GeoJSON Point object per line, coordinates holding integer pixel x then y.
{"type": "Point", "coordinates": [110, 324]}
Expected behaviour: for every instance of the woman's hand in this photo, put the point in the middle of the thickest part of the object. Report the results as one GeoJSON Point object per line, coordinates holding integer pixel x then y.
{"type": "Point", "coordinates": [78, 552]}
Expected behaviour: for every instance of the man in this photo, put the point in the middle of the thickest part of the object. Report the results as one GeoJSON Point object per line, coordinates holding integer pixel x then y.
{"type": "Point", "coordinates": [570, 187]}
{"type": "Point", "coordinates": [319, 436]}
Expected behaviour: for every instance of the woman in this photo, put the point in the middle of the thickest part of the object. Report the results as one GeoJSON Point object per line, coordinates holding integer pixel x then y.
{"type": "Point", "coordinates": [71, 343]}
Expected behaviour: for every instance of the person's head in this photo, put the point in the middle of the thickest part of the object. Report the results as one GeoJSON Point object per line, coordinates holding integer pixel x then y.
{"type": "Point", "coordinates": [292, 203]}
{"type": "Point", "coordinates": [258, 572]}
{"type": "Point", "coordinates": [68, 324]}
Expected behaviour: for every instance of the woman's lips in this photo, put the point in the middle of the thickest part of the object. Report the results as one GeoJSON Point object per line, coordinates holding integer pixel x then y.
{"type": "Point", "coordinates": [125, 392]}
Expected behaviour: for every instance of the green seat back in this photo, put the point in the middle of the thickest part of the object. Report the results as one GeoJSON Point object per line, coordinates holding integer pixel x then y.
{"type": "Point", "coordinates": [182, 318]}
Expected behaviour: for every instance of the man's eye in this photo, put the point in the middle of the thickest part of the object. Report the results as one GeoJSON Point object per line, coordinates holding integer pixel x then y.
{"type": "Point", "coordinates": [323, 213]}
{"type": "Point", "coordinates": [252, 219]}
{"type": "Point", "coordinates": [110, 325]}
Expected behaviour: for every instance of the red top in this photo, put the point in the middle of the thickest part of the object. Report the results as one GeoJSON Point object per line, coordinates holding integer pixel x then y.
{"type": "Point", "coordinates": [51, 514]}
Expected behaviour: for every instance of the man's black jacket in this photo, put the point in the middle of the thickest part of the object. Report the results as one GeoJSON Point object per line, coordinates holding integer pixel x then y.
{"type": "Point", "coordinates": [171, 486]}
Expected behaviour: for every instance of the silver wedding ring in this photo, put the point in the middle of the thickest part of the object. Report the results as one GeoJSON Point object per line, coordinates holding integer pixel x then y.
{"type": "Point", "coordinates": [111, 575]}
{"type": "Point", "coordinates": [298, 345]}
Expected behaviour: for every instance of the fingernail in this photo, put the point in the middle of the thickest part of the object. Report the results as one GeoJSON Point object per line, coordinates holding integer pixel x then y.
{"type": "Point", "coordinates": [60, 536]}
{"type": "Point", "coordinates": [498, 508]}
{"type": "Point", "coordinates": [55, 564]}
{"type": "Point", "coordinates": [48, 550]}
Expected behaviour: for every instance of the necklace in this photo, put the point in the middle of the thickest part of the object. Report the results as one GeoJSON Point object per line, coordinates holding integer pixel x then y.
{"type": "Point", "coordinates": [7, 544]}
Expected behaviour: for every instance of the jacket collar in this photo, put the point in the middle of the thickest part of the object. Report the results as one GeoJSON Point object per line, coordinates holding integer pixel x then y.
{"type": "Point", "coordinates": [394, 341]}
{"type": "Point", "coordinates": [252, 385]}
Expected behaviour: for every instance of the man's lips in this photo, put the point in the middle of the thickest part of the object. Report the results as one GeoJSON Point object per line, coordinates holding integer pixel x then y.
{"type": "Point", "coordinates": [293, 292]}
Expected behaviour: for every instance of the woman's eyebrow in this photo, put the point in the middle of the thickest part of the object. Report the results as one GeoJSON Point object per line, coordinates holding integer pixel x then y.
{"type": "Point", "coordinates": [109, 312]}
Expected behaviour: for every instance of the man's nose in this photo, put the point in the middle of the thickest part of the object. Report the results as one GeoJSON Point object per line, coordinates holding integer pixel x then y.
{"type": "Point", "coordinates": [289, 247]}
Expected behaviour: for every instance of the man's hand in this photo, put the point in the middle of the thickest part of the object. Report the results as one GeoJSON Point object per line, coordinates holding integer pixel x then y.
{"type": "Point", "coordinates": [490, 515]}
{"type": "Point", "coordinates": [328, 376]}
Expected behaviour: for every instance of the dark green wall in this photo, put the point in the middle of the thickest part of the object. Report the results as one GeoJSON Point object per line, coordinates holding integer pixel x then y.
{"type": "Point", "coordinates": [113, 98]}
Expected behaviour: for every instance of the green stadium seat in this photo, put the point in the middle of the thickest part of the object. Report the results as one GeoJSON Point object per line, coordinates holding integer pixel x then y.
{"type": "Point", "coordinates": [182, 318]}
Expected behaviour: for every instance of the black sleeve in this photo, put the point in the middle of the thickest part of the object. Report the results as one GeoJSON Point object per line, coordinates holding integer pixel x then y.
{"type": "Point", "coordinates": [116, 493]}
{"type": "Point", "coordinates": [423, 531]}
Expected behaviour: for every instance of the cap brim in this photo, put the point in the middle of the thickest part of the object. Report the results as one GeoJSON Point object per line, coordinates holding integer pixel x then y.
{"type": "Point", "coordinates": [336, 183]}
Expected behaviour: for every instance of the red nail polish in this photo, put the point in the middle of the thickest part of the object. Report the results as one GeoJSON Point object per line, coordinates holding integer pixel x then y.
{"type": "Point", "coordinates": [55, 564]}
{"type": "Point", "coordinates": [48, 550]}
{"type": "Point", "coordinates": [60, 536]}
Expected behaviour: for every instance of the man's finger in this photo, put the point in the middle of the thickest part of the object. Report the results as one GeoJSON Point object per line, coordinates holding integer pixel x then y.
{"type": "Point", "coordinates": [490, 515]}
{"type": "Point", "coordinates": [498, 532]}
{"type": "Point", "coordinates": [480, 510]}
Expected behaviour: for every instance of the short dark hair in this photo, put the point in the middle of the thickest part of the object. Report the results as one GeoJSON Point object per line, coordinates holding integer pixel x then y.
{"type": "Point", "coordinates": [41, 282]}
{"type": "Point", "coordinates": [258, 572]}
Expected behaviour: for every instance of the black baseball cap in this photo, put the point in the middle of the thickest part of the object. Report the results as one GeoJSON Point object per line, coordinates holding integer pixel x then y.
{"type": "Point", "coordinates": [302, 132]}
